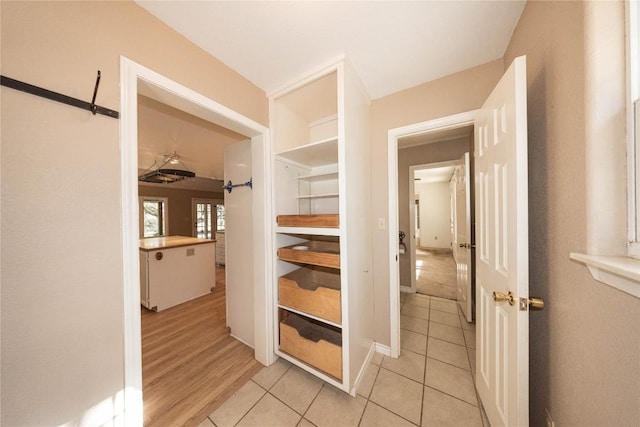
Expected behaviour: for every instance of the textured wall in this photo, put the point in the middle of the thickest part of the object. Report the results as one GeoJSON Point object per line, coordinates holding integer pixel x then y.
{"type": "Point", "coordinates": [61, 266]}
{"type": "Point", "coordinates": [585, 345]}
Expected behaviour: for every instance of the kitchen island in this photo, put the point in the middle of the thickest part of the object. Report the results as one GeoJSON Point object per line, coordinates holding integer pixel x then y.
{"type": "Point", "coordinates": [175, 269]}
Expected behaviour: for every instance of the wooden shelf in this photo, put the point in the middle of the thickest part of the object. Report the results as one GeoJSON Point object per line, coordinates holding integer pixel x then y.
{"type": "Point", "coordinates": [317, 252]}
{"type": "Point", "coordinates": [319, 220]}
{"type": "Point", "coordinates": [311, 342]}
{"type": "Point", "coordinates": [312, 290]}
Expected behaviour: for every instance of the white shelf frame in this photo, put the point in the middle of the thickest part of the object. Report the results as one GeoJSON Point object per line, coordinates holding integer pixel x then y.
{"type": "Point", "coordinates": [310, 316]}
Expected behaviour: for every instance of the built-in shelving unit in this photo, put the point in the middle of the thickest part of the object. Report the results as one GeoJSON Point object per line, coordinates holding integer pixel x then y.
{"type": "Point", "coordinates": [321, 166]}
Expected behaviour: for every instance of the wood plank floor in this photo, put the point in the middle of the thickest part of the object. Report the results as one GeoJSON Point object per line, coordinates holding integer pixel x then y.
{"type": "Point", "coordinates": [190, 364]}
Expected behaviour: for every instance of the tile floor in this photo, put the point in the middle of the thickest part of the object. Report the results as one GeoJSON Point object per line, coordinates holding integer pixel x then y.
{"type": "Point", "coordinates": [431, 384]}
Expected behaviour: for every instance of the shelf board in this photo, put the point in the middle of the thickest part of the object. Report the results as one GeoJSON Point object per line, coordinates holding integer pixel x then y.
{"type": "Point", "coordinates": [319, 177]}
{"type": "Point", "coordinates": [312, 231]}
{"type": "Point", "coordinates": [318, 196]}
{"type": "Point", "coordinates": [310, 316]}
{"type": "Point", "coordinates": [315, 154]}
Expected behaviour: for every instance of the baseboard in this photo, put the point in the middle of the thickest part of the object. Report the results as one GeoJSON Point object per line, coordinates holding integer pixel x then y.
{"type": "Point", "coordinates": [363, 370]}
{"type": "Point", "coordinates": [383, 349]}
{"type": "Point", "coordinates": [241, 340]}
{"type": "Point", "coordinates": [406, 289]}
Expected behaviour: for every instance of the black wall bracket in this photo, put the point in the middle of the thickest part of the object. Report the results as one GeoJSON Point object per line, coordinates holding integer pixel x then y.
{"type": "Point", "coordinates": [58, 97]}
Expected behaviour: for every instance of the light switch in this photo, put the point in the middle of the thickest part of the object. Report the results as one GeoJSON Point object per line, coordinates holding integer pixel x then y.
{"type": "Point", "coordinates": [381, 224]}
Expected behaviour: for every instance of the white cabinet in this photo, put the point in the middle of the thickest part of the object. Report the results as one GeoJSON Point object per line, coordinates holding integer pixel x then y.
{"type": "Point", "coordinates": [321, 169]}
{"type": "Point", "coordinates": [175, 269]}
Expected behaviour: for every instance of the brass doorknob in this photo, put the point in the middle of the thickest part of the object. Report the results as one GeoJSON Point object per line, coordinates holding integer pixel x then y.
{"type": "Point", "coordinates": [502, 297]}
{"type": "Point", "coordinates": [536, 303]}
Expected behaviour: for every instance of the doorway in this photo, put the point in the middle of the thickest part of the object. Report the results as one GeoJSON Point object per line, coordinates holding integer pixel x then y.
{"type": "Point", "coordinates": [409, 134]}
{"type": "Point", "coordinates": [432, 268]}
{"type": "Point", "coordinates": [136, 79]}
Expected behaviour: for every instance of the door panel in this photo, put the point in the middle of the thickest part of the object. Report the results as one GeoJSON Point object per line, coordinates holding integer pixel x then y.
{"type": "Point", "coordinates": [239, 242]}
{"type": "Point", "coordinates": [462, 236]}
{"type": "Point", "coordinates": [502, 250]}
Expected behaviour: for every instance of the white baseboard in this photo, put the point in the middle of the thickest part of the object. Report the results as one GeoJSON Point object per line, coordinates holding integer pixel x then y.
{"type": "Point", "coordinates": [363, 370]}
{"type": "Point", "coordinates": [383, 349]}
{"type": "Point", "coordinates": [406, 289]}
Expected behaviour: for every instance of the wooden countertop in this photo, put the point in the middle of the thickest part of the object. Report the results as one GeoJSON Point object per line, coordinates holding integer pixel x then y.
{"type": "Point", "coordinates": [157, 243]}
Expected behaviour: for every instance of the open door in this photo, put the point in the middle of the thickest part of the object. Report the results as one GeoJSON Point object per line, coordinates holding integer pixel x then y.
{"type": "Point", "coordinates": [239, 242]}
{"type": "Point", "coordinates": [461, 198]}
{"type": "Point", "coordinates": [502, 254]}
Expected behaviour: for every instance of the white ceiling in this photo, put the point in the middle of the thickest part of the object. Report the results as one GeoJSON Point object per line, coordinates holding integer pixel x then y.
{"type": "Point", "coordinates": [393, 45]}
{"type": "Point", "coordinates": [432, 175]}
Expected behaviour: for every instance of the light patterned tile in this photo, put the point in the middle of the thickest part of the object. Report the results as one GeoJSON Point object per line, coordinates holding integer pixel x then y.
{"type": "Point", "coordinates": [377, 358]}
{"type": "Point", "coordinates": [446, 333]}
{"type": "Point", "coordinates": [377, 416]}
{"type": "Point", "coordinates": [297, 389]}
{"type": "Point", "coordinates": [447, 352]}
{"type": "Point", "coordinates": [237, 405]}
{"type": "Point", "coordinates": [444, 305]}
{"type": "Point", "coordinates": [446, 318]}
{"type": "Point", "coordinates": [409, 364]}
{"type": "Point", "coordinates": [466, 325]}
{"type": "Point", "coordinates": [415, 311]}
{"type": "Point", "coordinates": [414, 324]}
{"type": "Point", "coordinates": [268, 376]}
{"type": "Point", "coordinates": [398, 394]}
{"type": "Point", "coordinates": [305, 423]}
{"type": "Point", "coordinates": [471, 352]}
{"type": "Point", "coordinates": [413, 342]}
{"type": "Point", "coordinates": [419, 300]}
{"type": "Point", "coordinates": [451, 380]}
{"type": "Point", "coordinates": [441, 410]}
{"type": "Point", "coordinates": [470, 338]}
{"type": "Point", "coordinates": [334, 407]}
{"type": "Point", "coordinates": [269, 411]}
{"type": "Point", "coordinates": [367, 382]}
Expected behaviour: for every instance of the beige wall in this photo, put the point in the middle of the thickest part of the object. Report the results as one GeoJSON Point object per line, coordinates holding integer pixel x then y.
{"type": "Point", "coordinates": [61, 267]}
{"type": "Point", "coordinates": [460, 92]}
{"type": "Point", "coordinates": [585, 345]}
{"type": "Point", "coordinates": [180, 216]}
{"type": "Point", "coordinates": [419, 155]}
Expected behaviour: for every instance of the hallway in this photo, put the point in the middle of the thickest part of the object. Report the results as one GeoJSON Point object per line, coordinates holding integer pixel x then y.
{"type": "Point", "coordinates": [436, 273]}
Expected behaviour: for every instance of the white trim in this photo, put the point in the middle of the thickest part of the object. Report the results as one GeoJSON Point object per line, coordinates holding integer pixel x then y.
{"type": "Point", "coordinates": [443, 123]}
{"type": "Point", "coordinates": [131, 74]}
{"type": "Point", "coordinates": [383, 349]}
{"type": "Point", "coordinates": [622, 273]}
{"type": "Point", "coordinates": [632, 49]}
{"type": "Point", "coordinates": [363, 370]}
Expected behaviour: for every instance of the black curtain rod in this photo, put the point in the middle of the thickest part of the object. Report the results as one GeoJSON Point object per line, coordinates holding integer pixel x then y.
{"type": "Point", "coordinates": [58, 97]}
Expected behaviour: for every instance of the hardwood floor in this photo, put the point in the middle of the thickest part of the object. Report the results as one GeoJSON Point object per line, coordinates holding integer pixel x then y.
{"type": "Point", "coordinates": [190, 363]}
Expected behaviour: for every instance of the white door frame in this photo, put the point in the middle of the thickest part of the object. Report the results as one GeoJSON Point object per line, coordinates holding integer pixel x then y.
{"type": "Point", "coordinates": [132, 78]}
{"type": "Point", "coordinates": [435, 125]}
{"type": "Point", "coordinates": [195, 201]}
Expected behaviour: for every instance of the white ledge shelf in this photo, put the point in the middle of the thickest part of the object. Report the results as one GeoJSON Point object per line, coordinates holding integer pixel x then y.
{"type": "Point", "coordinates": [620, 272]}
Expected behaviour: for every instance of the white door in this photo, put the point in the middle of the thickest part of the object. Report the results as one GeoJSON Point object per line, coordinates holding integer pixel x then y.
{"type": "Point", "coordinates": [239, 242]}
{"type": "Point", "coordinates": [462, 235]}
{"type": "Point", "coordinates": [502, 264]}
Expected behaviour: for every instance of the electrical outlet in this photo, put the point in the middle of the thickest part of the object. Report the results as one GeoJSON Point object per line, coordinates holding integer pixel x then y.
{"type": "Point", "coordinates": [381, 224]}
{"type": "Point", "coordinates": [548, 419]}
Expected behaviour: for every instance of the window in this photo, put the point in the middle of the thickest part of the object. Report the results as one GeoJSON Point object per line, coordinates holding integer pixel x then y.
{"type": "Point", "coordinates": [203, 218]}
{"type": "Point", "coordinates": [153, 216]}
{"type": "Point", "coordinates": [219, 217]}
{"type": "Point", "coordinates": [633, 119]}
